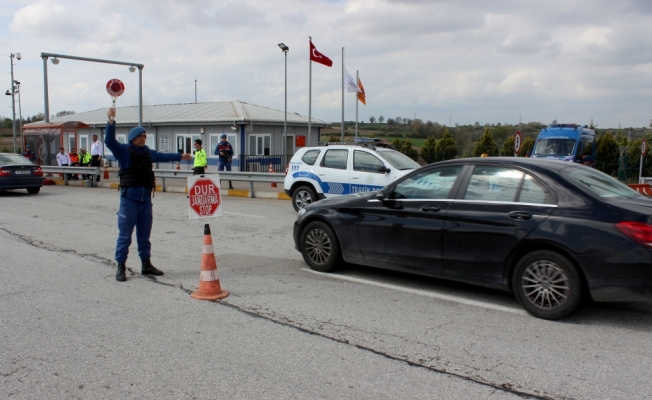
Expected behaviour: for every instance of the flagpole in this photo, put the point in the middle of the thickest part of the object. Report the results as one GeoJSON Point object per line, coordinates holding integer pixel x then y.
{"type": "Point", "coordinates": [342, 94]}
{"type": "Point", "coordinates": [309, 96]}
{"type": "Point", "coordinates": [357, 79]}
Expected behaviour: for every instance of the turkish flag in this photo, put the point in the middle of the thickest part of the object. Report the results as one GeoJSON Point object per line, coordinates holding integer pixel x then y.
{"type": "Point", "coordinates": [318, 57]}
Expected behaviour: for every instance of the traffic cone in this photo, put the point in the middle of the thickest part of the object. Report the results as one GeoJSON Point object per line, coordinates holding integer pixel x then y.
{"type": "Point", "coordinates": [271, 171]}
{"type": "Point", "coordinates": [209, 282]}
{"type": "Point", "coordinates": [106, 172]}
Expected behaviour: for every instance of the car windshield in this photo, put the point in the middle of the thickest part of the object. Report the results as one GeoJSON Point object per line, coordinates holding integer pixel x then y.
{"type": "Point", "coordinates": [598, 183]}
{"type": "Point", "coordinates": [7, 159]}
{"type": "Point", "coordinates": [398, 160]}
{"type": "Point", "coordinates": [554, 147]}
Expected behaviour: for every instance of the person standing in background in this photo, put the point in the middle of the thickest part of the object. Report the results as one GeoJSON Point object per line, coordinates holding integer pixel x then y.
{"type": "Point", "coordinates": [200, 159]}
{"type": "Point", "coordinates": [97, 151]}
{"type": "Point", "coordinates": [224, 152]}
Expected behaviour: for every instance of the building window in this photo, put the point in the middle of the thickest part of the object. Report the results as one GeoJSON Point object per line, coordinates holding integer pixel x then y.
{"type": "Point", "coordinates": [259, 145]}
{"type": "Point", "coordinates": [185, 143]}
{"type": "Point", "coordinates": [214, 140]}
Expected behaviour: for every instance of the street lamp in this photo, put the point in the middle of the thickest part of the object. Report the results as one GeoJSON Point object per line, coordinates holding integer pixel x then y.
{"type": "Point", "coordinates": [285, 50]}
{"type": "Point", "coordinates": [13, 92]}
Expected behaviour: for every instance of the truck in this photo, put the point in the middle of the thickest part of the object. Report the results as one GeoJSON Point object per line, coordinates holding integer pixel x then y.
{"type": "Point", "coordinates": [566, 142]}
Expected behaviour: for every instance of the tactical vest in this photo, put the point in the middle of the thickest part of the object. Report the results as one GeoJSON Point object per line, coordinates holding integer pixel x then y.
{"type": "Point", "coordinates": [139, 173]}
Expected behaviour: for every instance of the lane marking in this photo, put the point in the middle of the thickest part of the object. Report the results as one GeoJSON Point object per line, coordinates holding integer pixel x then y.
{"type": "Point", "coordinates": [244, 215]}
{"type": "Point", "coordinates": [433, 295]}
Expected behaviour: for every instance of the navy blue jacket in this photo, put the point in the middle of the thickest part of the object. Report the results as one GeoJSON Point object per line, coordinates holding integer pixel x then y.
{"type": "Point", "coordinates": [121, 153]}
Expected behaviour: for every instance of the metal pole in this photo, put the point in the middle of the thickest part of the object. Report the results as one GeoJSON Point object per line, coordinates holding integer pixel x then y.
{"type": "Point", "coordinates": [140, 96]}
{"type": "Point", "coordinates": [640, 171]}
{"type": "Point", "coordinates": [342, 94]}
{"type": "Point", "coordinates": [309, 95]}
{"type": "Point", "coordinates": [357, 78]}
{"type": "Point", "coordinates": [45, 88]}
{"type": "Point", "coordinates": [285, 123]}
{"type": "Point", "coordinates": [195, 90]}
{"type": "Point", "coordinates": [20, 117]}
{"type": "Point", "coordinates": [13, 102]}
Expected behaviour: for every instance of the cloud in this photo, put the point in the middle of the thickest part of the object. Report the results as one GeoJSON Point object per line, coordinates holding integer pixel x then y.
{"type": "Point", "coordinates": [477, 60]}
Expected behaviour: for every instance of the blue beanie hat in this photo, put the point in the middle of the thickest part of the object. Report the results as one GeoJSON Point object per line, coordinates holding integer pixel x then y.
{"type": "Point", "coordinates": [135, 132]}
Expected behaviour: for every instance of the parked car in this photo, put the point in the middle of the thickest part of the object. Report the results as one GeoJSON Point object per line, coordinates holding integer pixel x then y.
{"type": "Point", "coordinates": [546, 230]}
{"type": "Point", "coordinates": [330, 170]}
{"type": "Point", "coordinates": [18, 172]}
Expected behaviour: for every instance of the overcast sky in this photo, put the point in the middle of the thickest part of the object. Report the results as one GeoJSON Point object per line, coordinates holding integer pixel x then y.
{"type": "Point", "coordinates": [467, 60]}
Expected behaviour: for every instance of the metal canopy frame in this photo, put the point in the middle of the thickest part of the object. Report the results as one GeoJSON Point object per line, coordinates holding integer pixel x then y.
{"type": "Point", "coordinates": [45, 57]}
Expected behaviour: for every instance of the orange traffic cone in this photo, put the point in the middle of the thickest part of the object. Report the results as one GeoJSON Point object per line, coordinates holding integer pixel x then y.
{"type": "Point", "coordinates": [209, 283]}
{"type": "Point", "coordinates": [106, 172]}
{"type": "Point", "coordinates": [271, 171]}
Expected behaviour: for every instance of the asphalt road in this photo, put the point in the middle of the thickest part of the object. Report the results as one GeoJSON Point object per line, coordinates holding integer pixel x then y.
{"type": "Point", "coordinates": [69, 330]}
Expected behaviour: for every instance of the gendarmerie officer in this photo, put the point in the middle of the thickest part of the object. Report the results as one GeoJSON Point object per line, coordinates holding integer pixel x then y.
{"type": "Point", "coordinates": [136, 186]}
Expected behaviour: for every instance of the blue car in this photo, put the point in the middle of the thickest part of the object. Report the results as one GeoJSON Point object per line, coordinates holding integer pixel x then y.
{"type": "Point", "coordinates": [18, 172]}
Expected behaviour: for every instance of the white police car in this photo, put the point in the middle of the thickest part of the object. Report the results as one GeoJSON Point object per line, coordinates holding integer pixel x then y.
{"type": "Point", "coordinates": [335, 169]}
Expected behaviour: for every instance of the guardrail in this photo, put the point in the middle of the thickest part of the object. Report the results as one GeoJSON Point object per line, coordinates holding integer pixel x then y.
{"type": "Point", "coordinates": [163, 174]}
{"type": "Point", "coordinates": [251, 177]}
{"type": "Point", "coordinates": [93, 171]}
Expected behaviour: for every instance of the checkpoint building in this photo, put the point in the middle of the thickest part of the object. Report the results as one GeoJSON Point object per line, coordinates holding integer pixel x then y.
{"type": "Point", "coordinates": [255, 132]}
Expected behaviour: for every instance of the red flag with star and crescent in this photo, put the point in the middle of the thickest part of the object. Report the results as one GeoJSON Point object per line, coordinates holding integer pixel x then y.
{"type": "Point", "coordinates": [318, 57]}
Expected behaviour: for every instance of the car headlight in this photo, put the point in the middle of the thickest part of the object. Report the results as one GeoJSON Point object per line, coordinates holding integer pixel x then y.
{"type": "Point", "coordinates": [301, 212]}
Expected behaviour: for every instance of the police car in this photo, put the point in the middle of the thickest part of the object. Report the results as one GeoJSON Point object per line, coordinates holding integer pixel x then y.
{"type": "Point", "coordinates": [336, 169]}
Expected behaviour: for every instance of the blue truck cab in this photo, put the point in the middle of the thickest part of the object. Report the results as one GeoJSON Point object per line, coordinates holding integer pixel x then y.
{"type": "Point", "coordinates": [566, 142]}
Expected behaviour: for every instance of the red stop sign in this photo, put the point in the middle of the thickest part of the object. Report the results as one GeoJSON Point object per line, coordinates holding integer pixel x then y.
{"type": "Point", "coordinates": [204, 197]}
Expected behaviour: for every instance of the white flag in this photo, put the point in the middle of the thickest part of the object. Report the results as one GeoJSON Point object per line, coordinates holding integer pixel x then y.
{"type": "Point", "coordinates": [351, 86]}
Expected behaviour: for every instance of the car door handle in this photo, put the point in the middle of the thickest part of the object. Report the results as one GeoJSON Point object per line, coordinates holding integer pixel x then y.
{"type": "Point", "coordinates": [355, 177]}
{"type": "Point", "coordinates": [520, 215]}
{"type": "Point", "coordinates": [430, 208]}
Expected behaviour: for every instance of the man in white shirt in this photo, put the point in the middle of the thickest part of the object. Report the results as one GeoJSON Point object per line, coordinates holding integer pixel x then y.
{"type": "Point", "coordinates": [63, 160]}
{"type": "Point", "coordinates": [97, 151]}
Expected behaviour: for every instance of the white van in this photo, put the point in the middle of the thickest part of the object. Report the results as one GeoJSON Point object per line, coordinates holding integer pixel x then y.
{"type": "Point", "coordinates": [329, 170]}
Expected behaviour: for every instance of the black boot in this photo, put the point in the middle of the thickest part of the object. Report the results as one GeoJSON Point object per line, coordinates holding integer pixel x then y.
{"type": "Point", "coordinates": [230, 185]}
{"type": "Point", "coordinates": [149, 269]}
{"type": "Point", "coordinates": [121, 276]}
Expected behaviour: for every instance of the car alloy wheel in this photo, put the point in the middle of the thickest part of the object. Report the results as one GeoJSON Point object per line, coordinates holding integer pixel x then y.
{"type": "Point", "coordinates": [303, 196]}
{"type": "Point", "coordinates": [546, 285]}
{"type": "Point", "coordinates": [319, 246]}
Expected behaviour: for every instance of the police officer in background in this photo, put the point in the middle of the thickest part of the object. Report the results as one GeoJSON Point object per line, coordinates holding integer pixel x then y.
{"type": "Point", "coordinates": [224, 151]}
{"type": "Point", "coordinates": [136, 186]}
{"type": "Point", "coordinates": [97, 151]}
{"type": "Point", "coordinates": [200, 159]}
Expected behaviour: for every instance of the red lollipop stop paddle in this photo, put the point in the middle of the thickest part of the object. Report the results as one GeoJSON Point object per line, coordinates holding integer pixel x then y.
{"type": "Point", "coordinates": [115, 88]}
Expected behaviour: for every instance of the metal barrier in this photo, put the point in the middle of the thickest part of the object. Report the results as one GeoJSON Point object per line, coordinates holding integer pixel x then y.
{"type": "Point", "coordinates": [93, 171]}
{"type": "Point", "coordinates": [251, 177]}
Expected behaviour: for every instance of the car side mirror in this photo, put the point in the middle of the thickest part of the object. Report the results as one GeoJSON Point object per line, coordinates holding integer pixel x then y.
{"type": "Point", "coordinates": [384, 169]}
{"type": "Point", "coordinates": [380, 195]}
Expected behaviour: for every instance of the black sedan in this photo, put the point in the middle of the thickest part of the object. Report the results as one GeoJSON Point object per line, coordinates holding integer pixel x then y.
{"type": "Point", "coordinates": [549, 231]}
{"type": "Point", "coordinates": [18, 172]}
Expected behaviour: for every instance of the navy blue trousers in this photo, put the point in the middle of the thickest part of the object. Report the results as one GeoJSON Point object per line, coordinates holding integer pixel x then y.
{"type": "Point", "coordinates": [138, 214]}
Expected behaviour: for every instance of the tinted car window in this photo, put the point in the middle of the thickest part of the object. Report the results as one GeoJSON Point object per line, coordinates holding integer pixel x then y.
{"type": "Point", "coordinates": [532, 192]}
{"type": "Point", "coordinates": [366, 162]}
{"type": "Point", "coordinates": [431, 184]}
{"type": "Point", "coordinates": [504, 184]}
{"type": "Point", "coordinates": [310, 157]}
{"type": "Point", "coordinates": [7, 159]}
{"type": "Point", "coordinates": [335, 159]}
{"type": "Point", "coordinates": [598, 183]}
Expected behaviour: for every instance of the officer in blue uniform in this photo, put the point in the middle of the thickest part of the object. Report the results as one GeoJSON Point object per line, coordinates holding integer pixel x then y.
{"type": "Point", "coordinates": [136, 186]}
